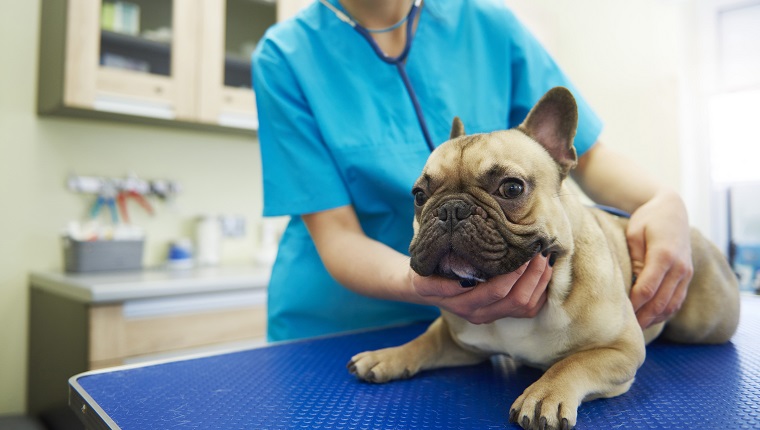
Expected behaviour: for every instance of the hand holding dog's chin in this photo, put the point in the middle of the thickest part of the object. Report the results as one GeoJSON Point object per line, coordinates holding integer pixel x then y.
{"type": "Point", "coordinates": [659, 242]}
{"type": "Point", "coordinates": [519, 294]}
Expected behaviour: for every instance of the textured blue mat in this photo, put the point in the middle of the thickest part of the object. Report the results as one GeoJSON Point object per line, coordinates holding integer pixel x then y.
{"type": "Point", "coordinates": [305, 385]}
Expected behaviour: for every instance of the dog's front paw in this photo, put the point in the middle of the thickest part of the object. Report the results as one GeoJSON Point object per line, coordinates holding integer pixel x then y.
{"type": "Point", "coordinates": [544, 407]}
{"type": "Point", "coordinates": [382, 365]}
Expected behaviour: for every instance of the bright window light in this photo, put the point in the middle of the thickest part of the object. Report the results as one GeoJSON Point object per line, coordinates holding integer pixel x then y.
{"type": "Point", "coordinates": [734, 136]}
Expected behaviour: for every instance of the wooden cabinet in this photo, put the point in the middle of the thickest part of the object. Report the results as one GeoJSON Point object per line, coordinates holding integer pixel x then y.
{"type": "Point", "coordinates": [90, 321]}
{"type": "Point", "coordinates": [225, 74]}
{"type": "Point", "coordinates": [172, 62]}
{"type": "Point", "coordinates": [115, 338]}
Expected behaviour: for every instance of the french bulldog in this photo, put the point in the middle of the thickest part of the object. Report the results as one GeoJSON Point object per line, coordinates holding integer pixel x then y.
{"type": "Point", "coordinates": [488, 203]}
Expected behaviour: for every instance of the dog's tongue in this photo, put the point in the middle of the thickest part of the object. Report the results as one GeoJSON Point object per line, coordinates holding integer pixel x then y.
{"type": "Point", "coordinates": [457, 266]}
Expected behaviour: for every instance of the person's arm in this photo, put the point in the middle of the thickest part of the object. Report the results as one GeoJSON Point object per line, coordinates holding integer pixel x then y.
{"type": "Point", "coordinates": [376, 270]}
{"type": "Point", "coordinates": [657, 234]}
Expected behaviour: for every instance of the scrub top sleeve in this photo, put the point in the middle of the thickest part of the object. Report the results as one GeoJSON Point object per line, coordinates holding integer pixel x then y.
{"type": "Point", "coordinates": [534, 72]}
{"type": "Point", "coordinates": [300, 174]}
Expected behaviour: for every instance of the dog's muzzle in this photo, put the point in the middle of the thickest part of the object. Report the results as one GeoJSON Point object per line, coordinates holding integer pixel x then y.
{"type": "Point", "coordinates": [450, 241]}
{"type": "Point", "coordinates": [458, 240]}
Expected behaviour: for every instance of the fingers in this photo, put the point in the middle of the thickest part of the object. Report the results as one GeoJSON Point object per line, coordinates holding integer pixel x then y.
{"type": "Point", "coordinates": [519, 294]}
{"type": "Point", "coordinates": [647, 283]}
{"type": "Point", "coordinates": [661, 288]}
{"type": "Point", "coordinates": [496, 289]}
{"type": "Point", "coordinates": [636, 247]}
{"type": "Point", "coordinates": [658, 239]}
{"type": "Point", "coordinates": [436, 288]}
{"type": "Point", "coordinates": [527, 297]}
{"type": "Point", "coordinates": [665, 304]}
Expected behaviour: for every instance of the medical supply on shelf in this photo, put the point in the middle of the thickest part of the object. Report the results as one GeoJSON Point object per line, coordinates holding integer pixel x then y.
{"type": "Point", "coordinates": [208, 240]}
{"type": "Point", "coordinates": [269, 238]}
{"type": "Point", "coordinates": [180, 254]}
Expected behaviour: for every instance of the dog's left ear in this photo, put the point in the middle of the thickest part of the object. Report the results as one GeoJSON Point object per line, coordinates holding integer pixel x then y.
{"type": "Point", "coordinates": [457, 128]}
{"type": "Point", "coordinates": [552, 122]}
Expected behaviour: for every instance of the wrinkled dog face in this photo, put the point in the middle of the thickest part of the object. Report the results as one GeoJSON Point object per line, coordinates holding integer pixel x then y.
{"type": "Point", "coordinates": [484, 202]}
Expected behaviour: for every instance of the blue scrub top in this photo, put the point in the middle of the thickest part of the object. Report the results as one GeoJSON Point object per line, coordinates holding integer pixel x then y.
{"type": "Point", "coordinates": [337, 127]}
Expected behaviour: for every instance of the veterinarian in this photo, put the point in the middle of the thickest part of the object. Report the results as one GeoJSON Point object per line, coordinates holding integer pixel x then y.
{"type": "Point", "coordinates": [352, 96]}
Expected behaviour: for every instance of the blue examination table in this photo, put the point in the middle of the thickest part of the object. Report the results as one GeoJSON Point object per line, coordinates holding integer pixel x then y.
{"type": "Point", "coordinates": [305, 385]}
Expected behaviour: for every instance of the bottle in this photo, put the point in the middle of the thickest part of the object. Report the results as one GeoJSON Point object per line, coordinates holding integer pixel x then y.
{"type": "Point", "coordinates": [266, 252]}
{"type": "Point", "coordinates": [208, 240]}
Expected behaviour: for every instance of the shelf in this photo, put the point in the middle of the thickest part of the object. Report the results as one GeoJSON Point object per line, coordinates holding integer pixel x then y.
{"type": "Point", "coordinates": [237, 71]}
{"type": "Point", "coordinates": [237, 62]}
{"type": "Point", "coordinates": [137, 43]}
{"type": "Point", "coordinates": [127, 52]}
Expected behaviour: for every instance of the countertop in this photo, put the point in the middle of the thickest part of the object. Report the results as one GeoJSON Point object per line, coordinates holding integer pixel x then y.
{"type": "Point", "coordinates": [107, 287]}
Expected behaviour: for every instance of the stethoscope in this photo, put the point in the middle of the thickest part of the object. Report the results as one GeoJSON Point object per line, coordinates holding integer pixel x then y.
{"type": "Point", "coordinates": [397, 61]}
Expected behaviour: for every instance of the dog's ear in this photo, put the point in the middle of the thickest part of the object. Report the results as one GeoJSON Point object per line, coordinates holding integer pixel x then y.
{"type": "Point", "coordinates": [552, 122]}
{"type": "Point", "coordinates": [457, 128]}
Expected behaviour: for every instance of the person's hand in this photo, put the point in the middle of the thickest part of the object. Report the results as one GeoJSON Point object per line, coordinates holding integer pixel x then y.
{"type": "Point", "coordinates": [660, 246]}
{"type": "Point", "coordinates": [519, 294]}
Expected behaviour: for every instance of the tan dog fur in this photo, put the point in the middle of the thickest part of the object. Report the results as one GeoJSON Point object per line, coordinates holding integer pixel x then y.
{"type": "Point", "coordinates": [586, 336]}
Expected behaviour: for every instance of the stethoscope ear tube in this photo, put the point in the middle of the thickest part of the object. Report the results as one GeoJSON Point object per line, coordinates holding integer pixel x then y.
{"type": "Point", "coordinates": [341, 16]}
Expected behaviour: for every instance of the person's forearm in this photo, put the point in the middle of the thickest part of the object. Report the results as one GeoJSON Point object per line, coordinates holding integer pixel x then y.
{"type": "Point", "coordinates": [373, 269]}
{"type": "Point", "coordinates": [357, 262]}
{"type": "Point", "coordinates": [368, 267]}
{"type": "Point", "coordinates": [609, 178]}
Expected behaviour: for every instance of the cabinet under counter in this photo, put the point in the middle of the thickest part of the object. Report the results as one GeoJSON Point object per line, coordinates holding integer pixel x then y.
{"type": "Point", "coordinates": [82, 322]}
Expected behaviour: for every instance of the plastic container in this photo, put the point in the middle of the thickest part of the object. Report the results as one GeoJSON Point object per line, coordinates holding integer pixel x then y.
{"type": "Point", "coordinates": [266, 252]}
{"type": "Point", "coordinates": [180, 255]}
{"type": "Point", "coordinates": [102, 255]}
{"type": "Point", "coordinates": [208, 240]}
{"type": "Point", "coordinates": [747, 266]}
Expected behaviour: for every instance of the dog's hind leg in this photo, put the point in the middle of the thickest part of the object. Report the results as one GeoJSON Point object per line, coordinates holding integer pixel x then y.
{"type": "Point", "coordinates": [431, 350]}
{"type": "Point", "coordinates": [710, 312]}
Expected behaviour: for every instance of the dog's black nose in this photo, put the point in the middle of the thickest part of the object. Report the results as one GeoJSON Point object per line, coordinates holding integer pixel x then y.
{"type": "Point", "coordinates": [454, 211]}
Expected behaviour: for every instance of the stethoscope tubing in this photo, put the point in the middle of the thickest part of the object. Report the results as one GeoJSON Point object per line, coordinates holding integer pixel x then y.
{"type": "Point", "coordinates": [398, 60]}
{"type": "Point", "coordinates": [416, 104]}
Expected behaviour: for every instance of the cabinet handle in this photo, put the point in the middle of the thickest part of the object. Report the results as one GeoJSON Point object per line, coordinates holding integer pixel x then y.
{"type": "Point", "coordinates": [158, 90]}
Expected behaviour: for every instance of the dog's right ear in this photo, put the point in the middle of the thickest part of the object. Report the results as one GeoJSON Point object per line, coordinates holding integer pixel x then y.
{"type": "Point", "coordinates": [457, 128]}
{"type": "Point", "coordinates": [552, 122]}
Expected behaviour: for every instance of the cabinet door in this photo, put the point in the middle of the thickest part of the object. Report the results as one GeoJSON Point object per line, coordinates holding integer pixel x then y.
{"type": "Point", "coordinates": [231, 30]}
{"type": "Point", "coordinates": [135, 57]}
{"type": "Point", "coordinates": [115, 337]}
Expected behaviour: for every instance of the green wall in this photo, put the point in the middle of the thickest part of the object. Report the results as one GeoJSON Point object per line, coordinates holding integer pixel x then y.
{"type": "Point", "coordinates": [218, 173]}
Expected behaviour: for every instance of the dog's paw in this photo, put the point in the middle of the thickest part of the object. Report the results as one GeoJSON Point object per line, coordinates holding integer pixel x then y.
{"type": "Point", "coordinates": [543, 407]}
{"type": "Point", "coordinates": [382, 365]}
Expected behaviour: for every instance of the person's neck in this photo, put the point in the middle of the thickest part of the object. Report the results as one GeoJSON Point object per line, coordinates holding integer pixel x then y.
{"type": "Point", "coordinates": [376, 14]}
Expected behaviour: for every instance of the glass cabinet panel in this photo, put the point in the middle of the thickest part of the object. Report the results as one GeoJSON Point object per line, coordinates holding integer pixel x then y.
{"type": "Point", "coordinates": [137, 35]}
{"type": "Point", "coordinates": [245, 24]}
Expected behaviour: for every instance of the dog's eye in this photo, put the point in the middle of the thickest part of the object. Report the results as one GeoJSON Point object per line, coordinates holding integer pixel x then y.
{"type": "Point", "coordinates": [419, 197]}
{"type": "Point", "coordinates": [511, 188]}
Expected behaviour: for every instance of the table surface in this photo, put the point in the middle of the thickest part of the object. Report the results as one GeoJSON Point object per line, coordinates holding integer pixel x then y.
{"type": "Point", "coordinates": [305, 384]}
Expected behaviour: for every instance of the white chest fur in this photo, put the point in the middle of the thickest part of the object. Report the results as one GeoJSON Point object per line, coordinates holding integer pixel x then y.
{"type": "Point", "coordinates": [537, 341]}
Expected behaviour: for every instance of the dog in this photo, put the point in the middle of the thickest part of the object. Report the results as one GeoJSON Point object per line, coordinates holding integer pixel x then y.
{"type": "Point", "coordinates": [485, 204]}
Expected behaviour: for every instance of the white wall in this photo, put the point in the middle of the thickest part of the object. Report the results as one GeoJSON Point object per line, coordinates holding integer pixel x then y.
{"type": "Point", "coordinates": [637, 64]}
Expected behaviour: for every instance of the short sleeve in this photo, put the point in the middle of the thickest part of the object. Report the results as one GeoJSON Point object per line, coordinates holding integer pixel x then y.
{"type": "Point", "coordinates": [534, 72]}
{"type": "Point", "coordinates": [299, 173]}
